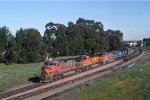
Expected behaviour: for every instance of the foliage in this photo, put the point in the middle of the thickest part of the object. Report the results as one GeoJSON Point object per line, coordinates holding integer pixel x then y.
{"type": "Point", "coordinates": [3, 41]}
{"type": "Point", "coordinates": [82, 37]}
{"type": "Point", "coordinates": [115, 39]}
{"type": "Point", "coordinates": [10, 55]}
{"type": "Point", "coordinates": [146, 42]}
{"type": "Point", "coordinates": [29, 45]}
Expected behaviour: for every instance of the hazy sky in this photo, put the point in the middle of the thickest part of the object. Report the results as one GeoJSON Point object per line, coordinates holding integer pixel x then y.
{"type": "Point", "coordinates": [132, 18]}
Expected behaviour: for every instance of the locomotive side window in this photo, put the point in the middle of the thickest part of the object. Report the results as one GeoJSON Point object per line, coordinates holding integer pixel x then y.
{"type": "Point", "coordinates": [84, 58]}
{"type": "Point", "coordinates": [46, 63]}
{"type": "Point", "coordinates": [78, 59]}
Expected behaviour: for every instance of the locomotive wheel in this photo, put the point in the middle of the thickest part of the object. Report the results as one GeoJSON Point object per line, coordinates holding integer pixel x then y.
{"type": "Point", "coordinates": [103, 63]}
{"type": "Point", "coordinates": [90, 67]}
{"type": "Point", "coordinates": [83, 69]}
{"type": "Point", "coordinates": [45, 79]}
{"type": "Point", "coordinates": [62, 75]}
{"type": "Point", "coordinates": [87, 68]}
{"type": "Point", "coordinates": [78, 71]}
{"type": "Point", "coordinates": [57, 77]}
{"type": "Point", "coordinates": [100, 63]}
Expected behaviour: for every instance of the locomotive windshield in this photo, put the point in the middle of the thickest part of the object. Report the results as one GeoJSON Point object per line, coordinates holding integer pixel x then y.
{"type": "Point", "coordinates": [47, 63]}
{"type": "Point", "coordinates": [51, 64]}
{"type": "Point", "coordinates": [84, 58]}
{"type": "Point", "coordinates": [80, 59]}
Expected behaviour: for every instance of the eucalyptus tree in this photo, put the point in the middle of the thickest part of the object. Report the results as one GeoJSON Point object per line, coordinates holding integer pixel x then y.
{"type": "Point", "coordinates": [4, 34]}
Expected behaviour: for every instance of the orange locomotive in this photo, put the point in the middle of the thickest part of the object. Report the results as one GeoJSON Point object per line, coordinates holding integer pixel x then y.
{"type": "Point", "coordinates": [85, 61]}
{"type": "Point", "coordinates": [54, 69]}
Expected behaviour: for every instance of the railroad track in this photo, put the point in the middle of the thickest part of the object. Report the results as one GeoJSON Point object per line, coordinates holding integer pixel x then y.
{"type": "Point", "coordinates": [38, 88]}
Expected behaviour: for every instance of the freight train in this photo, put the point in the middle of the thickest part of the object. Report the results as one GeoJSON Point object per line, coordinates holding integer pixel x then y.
{"type": "Point", "coordinates": [55, 69]}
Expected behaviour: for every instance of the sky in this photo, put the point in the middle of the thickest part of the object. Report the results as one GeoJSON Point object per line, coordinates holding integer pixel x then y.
{"type": "Point", "coordinates": [130, 17]}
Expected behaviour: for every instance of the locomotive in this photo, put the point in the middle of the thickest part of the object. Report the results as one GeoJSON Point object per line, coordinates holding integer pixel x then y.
{"type": "Point", "coordinates": [55, 69]}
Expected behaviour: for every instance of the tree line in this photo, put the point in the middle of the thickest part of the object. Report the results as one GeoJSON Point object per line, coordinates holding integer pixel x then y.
{"type": "Point", "coordinates": [84, 36]}
{"type": "Point", "coordinates": [146, 42]}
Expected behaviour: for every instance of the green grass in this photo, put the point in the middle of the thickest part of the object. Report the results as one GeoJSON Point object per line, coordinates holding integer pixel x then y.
{"type": "Point", "coordinates": [17, 74]}
{"type": "Point", "coordinates": [132, 84]}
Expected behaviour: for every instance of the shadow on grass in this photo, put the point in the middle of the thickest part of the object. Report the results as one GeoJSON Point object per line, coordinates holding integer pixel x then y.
{"type": "Point", "coordinates": [34, 79]}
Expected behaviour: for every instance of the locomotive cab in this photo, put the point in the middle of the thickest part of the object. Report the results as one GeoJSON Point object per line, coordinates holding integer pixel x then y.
{"type": "Point", "coordinates": [49, 69]}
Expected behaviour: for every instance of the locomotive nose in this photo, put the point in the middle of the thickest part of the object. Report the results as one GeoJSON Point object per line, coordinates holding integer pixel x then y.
{"type": "Point", "coordinates": [44, 70]}
{"type": "Point", "coordinates": [46, 74]}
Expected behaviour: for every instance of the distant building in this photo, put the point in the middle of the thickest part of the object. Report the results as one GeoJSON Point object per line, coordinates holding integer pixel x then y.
{"type": "Point", "coordinates": [138, 43]}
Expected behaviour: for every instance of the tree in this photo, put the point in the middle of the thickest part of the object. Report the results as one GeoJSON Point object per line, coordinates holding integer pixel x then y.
{"type": "Point", "coordinates": [74, 34]}
{"type": "Point", "coordinates": [10, 54]}
{"type": "Point", "coordinates": [4, 32]}
{"type": "Point", "coordinates": [146, 42]}
{"type": "Point", "coordinates": [49, 39]}
{"type": "Point", "coordinates": [29, 43]}
{"type": "Point", "coordinates": [20, 44]}
{"type": "Point", "coordinates": [93, 35]}
{"type": "Point", "coordinates": [33, 43]}
{"type": "Point", "coordinates": [115, 39]}
{"type": "Point", "coordinates": [56, 39]}
{"type": "Point", "coordinates": [84, 36]}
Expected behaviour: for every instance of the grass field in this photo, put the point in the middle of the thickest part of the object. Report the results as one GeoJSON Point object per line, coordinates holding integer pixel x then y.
{"type": "Point", "coordinates": [128, 84]}
{"type": "Point", "coordinates": [17, 74]}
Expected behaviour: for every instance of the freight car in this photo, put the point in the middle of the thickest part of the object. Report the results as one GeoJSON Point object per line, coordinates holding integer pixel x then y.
{"type": "Point", "coordinates": [54, 69]}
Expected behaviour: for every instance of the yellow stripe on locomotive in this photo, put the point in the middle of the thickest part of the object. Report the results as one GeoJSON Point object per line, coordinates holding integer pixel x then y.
{"type": "Point", "coordinates": [85, 61]}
